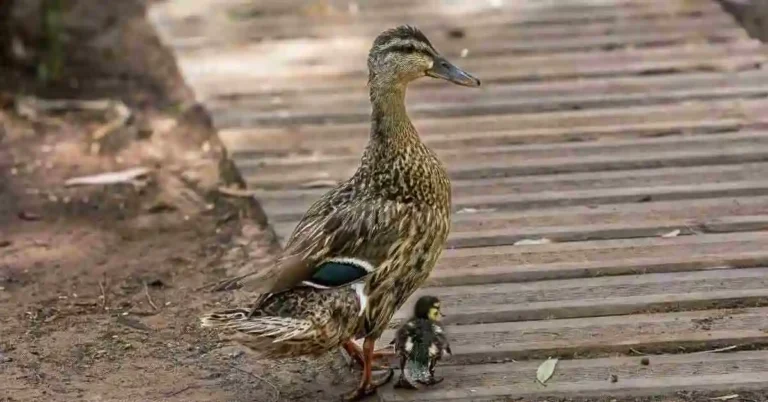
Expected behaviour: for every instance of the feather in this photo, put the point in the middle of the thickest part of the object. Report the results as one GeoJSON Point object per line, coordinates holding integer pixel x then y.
{"type": "Point", "coordinates": [279, 329]}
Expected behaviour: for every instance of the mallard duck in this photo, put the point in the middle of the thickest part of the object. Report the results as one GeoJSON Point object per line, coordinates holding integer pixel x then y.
{"type": "Point", "coordinates": [420, 343]}
{"type": "Point", "coordinates": [363, 248]}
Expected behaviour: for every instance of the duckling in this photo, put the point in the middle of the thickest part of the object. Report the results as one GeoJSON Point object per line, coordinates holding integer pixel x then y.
{"type": "Point", "coordinates": [420, 343]}
{"type": "Point", "coordinates": [365, 246]}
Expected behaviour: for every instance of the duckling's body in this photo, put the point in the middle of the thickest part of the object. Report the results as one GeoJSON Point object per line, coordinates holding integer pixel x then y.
{"type": "Point", "coordinates": [420, 343]}
{"type": "Point", "coordinates": [362, 249]}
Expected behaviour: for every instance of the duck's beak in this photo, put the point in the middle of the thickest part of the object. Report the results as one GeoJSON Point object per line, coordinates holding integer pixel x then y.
{"type": "Point", "coordinates": [443, 69]}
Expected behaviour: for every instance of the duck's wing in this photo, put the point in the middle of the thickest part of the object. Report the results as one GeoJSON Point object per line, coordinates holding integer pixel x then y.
{"type": "Point", "coordinates": [339, 240]}
{"type": "Point", "coordinates": [403, 348]}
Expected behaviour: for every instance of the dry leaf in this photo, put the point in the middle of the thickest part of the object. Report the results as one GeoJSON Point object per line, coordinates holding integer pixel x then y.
{"type": "Point", "coordinates": [123, 176]}
{"type": "Point", "coordinates": [545, 370]}
{"type": "Point", "coordinates": [725, 397]}
{"type": "Point", "coordinates": [673, 233]}
{"type": "Point", "coordinates": [529, 242]}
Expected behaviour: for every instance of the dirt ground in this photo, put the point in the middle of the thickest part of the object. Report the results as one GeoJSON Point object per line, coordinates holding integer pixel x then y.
{"type": "Point", "coordinates": [100, 285]}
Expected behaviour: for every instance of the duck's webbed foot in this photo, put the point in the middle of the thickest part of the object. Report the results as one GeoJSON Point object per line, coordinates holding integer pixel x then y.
{"type": "Point", "coordinates": [367, 385]}
{"type": "Point", "coordinates": [356, 353]}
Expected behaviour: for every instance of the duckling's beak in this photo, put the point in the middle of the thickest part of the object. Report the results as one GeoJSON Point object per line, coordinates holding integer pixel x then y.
{"type": "Point", "coordinates": [447, 71]}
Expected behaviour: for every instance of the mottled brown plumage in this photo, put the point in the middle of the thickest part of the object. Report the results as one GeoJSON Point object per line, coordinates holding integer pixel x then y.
{"type": "Point", "coordinates": [381, 231]}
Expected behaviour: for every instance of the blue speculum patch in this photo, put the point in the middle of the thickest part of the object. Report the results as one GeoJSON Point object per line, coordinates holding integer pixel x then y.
{"type": "Point", "coordinates": [333, 274]}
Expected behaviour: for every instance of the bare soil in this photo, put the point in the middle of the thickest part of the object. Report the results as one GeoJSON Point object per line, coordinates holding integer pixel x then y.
{"type": "Point", "coordinates": [99, 285]}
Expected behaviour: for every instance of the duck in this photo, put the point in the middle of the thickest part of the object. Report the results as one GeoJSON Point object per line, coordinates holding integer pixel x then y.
{"type": "Point", "coordinates": [420, 343]}
{"type": "Point", "coordinates": [366, 245]}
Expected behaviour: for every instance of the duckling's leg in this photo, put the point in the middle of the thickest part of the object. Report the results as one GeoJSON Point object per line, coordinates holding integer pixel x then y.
{"type": "Point", "coordinates": [367, 385]}
{"type": "Point", "coordinates": [356, 353]}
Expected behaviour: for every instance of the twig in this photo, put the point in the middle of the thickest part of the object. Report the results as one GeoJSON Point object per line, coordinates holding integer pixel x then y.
{"type": "Point", "coordinates": [277, 391]}
{"type": "Point", "coordinates": [187, 388]}
{"type": "Point", "coordinates": [149, 298]}
{"type": "Point", "coordinates": [123, 116]}
{"type": "Point", "coordinates": [720, 350]}
{"type": "Point", "coordinates": [236, 192]}
{"type": "Point", "coordinates": [102, 288]}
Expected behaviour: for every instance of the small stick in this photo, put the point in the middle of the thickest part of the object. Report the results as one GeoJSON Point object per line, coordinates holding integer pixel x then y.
{"type": "Point", "coordinates": [236, 192]}
{"type": "Point", "coordinates": [725, 349]}
{"type": "Point", "coordinates": [277, 391]}
{"type": "Point", "coordinates": [187, 388]}
{"type": "Point", "coordinates": [102, 288]}
{"type": "Point", "coordinates": [149, 298]}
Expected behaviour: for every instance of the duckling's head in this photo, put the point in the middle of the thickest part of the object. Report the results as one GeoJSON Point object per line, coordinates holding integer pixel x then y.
{"type": "Point", "coordinates": [428, 307]}
{"type": "Point", "coordinates": [403, 54]}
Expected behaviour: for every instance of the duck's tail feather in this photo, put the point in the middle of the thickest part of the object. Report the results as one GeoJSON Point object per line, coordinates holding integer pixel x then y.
{"type": "Point", "coordinates": [278, 329]}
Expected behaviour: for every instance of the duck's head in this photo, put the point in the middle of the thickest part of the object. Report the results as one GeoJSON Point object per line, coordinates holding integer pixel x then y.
{"type": "Point", "coordinates": [403, 54]}
{"type": "Point", "coordinates": [428, 307]}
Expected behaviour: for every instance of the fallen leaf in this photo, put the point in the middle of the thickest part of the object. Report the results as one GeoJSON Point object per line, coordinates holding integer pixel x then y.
{"type": "Point", "coordinates": [529, 242]}
{"type": "Point", "coordinates": [725, 397]}
{"type": "Point", "coordinates": [673, 233]}
{"type": "Point", "coordinates": [123, 176]}
{"type": "Point", "coordinates": [545, 370]}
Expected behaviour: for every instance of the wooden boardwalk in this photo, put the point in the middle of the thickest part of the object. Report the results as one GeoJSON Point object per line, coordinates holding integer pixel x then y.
{"type": "Point", "coordinates": [631, 135]}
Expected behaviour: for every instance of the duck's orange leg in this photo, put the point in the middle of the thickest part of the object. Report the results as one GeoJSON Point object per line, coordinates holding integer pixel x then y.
{"type": "Point", "coordinates": [356, 353]}
{"type": "Point", "coordinates": [367, 385]}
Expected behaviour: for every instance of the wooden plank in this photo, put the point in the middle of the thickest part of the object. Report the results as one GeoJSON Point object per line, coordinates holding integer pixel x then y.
{"type": "Point", "coordinates": [517, 69]}
{"type": "Point", "coordinates": [588, 378]}
{"type": "Point", "coordinates": [502, 106]}
{"type": "Point", "coordinates": [715, 32]}
{"type": "Point", "coordinates": [457, 157]}
{"type": "Point", "coordinates": [292, 26]}
{"type": "Point", "coordinates": [558, 199]}
{"type": "Point", "coordinates": [562, 181]}
{"type": "Point", "coordinates": [622, 265]}
{"type": "Point", "coordinates": [291, 143]}
{"type": "Point", "coordinates": [228, 74]}
{"type": "Point", "coordinates": [596, 297]}
{"type": "Point", "coordinates": [355, 132]}
{"type": "Point", "coordinates": [600, 250]}
{"type": "Point", "coordinates": [496, 167]}
{"type": "Point", "coordinates": [651, 333]}
{"type": "Point", "coordinates": [232, 32]}
{"type": "Point", "coordinates": [443, 95]}
{"type": "Point", "coordinates": [535, 223]}
{"type": "Point", "coordinates": [561, 234]}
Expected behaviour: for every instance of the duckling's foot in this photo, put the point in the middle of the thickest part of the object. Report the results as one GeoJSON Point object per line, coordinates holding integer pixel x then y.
{"type": "Point", "coordinates": [404, 383]}
{"type": "Point", "coordinates": [432, 381]}
{"type": "Point", "coordinates": [368, 388]}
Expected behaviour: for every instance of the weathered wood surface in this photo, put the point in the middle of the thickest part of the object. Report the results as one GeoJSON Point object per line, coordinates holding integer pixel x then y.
{"type": "Point", "coordinates": [629, 134]}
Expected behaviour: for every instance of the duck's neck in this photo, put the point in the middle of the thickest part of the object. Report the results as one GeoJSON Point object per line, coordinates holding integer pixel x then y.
{"type": "Point", "coordinates": [389, 119]}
